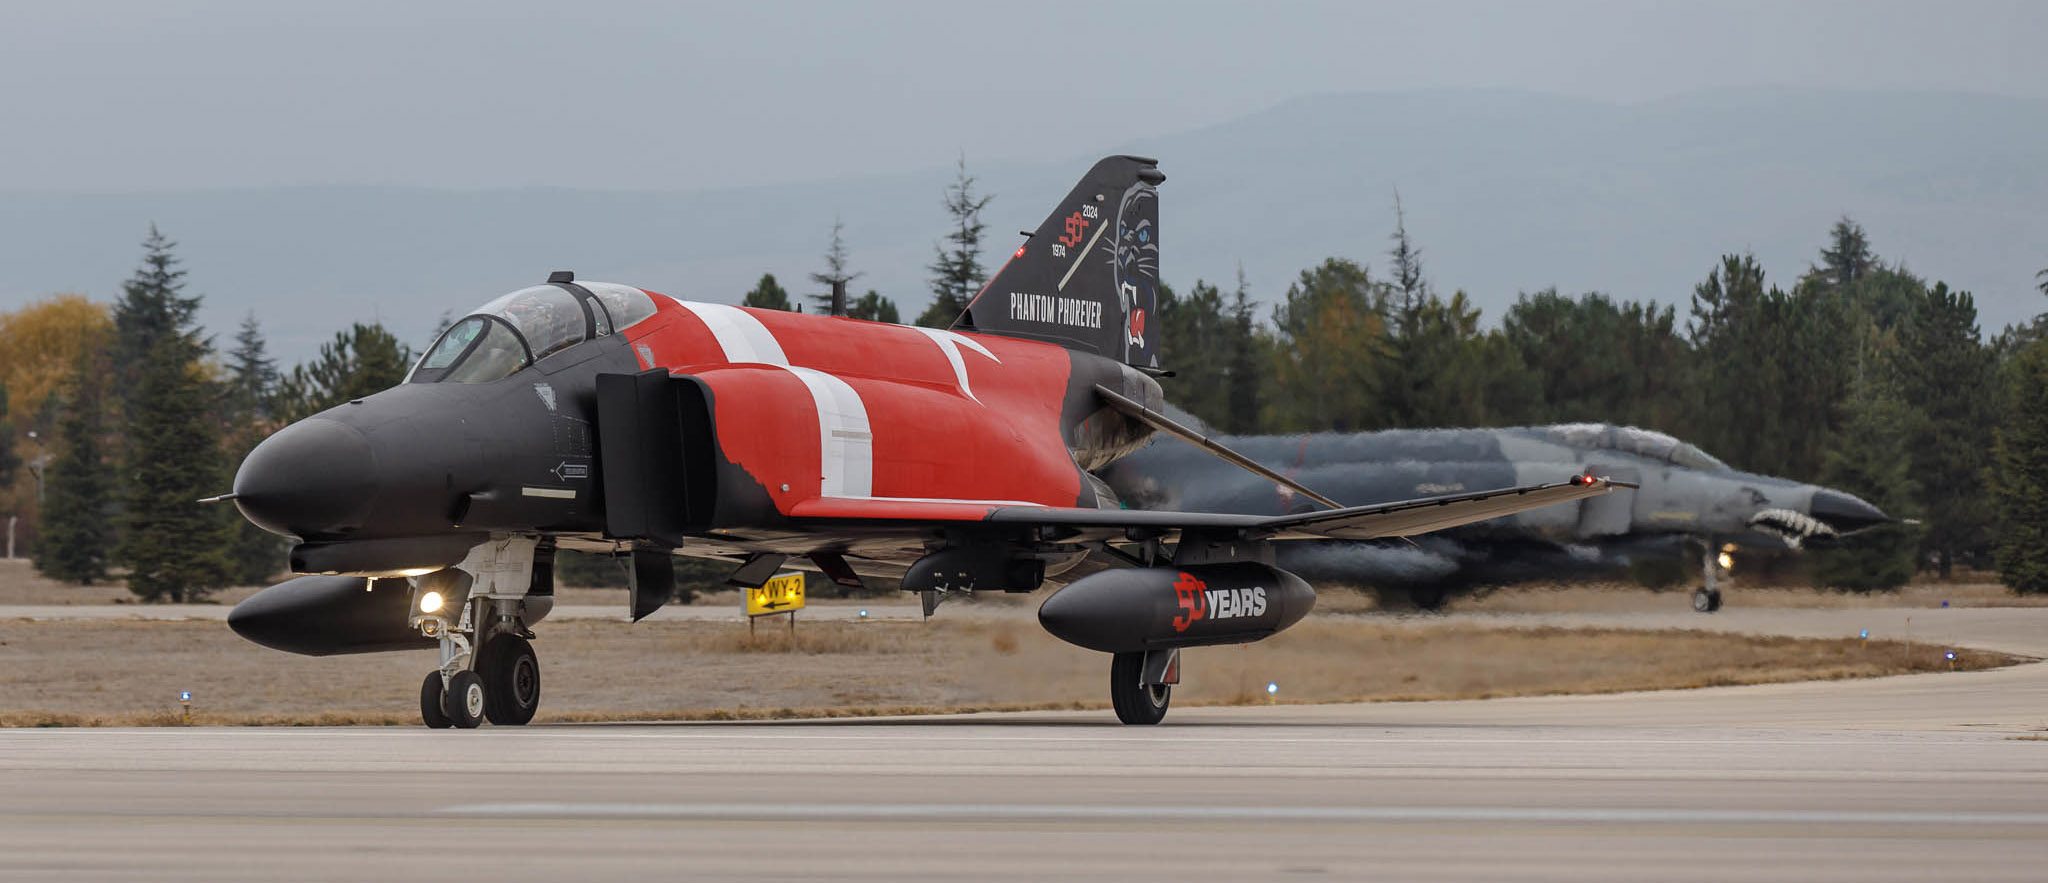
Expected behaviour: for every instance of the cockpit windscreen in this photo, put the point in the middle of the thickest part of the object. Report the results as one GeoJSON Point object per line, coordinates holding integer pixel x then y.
{"type": "Point", "coordinates": [506, 335]}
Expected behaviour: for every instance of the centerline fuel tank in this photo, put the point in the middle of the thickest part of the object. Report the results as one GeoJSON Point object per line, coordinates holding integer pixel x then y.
{"type": "Point", "coordinates": [1152, 608]}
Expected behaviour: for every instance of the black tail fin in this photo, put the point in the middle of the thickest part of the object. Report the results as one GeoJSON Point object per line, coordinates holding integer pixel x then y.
{"type": "Point", "coordinates": [1088, 280]}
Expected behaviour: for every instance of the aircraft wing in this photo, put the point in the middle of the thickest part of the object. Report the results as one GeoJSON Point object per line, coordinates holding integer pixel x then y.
{"type": "Point", "coordinates": [1406, 518]}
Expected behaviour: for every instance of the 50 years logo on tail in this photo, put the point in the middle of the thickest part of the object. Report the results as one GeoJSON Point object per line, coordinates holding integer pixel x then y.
{"type": "Point", "coordinates": [1198, 602]}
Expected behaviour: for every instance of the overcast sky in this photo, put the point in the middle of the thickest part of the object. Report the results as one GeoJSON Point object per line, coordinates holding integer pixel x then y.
{"type": "Point", "coordinates": [112, 95]}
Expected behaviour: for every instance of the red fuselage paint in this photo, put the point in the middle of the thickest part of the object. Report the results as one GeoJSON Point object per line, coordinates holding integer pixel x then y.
{"type": "Point", "coordinates": [985, 428]}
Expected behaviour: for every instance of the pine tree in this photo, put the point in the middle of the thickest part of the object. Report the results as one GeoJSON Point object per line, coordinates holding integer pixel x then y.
{"type": "Point", "coordinates": [875, 308]}
{"type": "Point", "coordinates": [1871, 459]}
{"type": "Point", "coordinates": [1245, 356]}
{"type": "Point", "coordinates": [174, 545]}
{"type": "Point", "coordinates": [2043, 276]}
{"type": "Point", "coordinates": [1592, 359]}
{"type": "Point", "coordinates": [957, 275]}
{"type": "Point", "coordinates": [253, 554]}
{"type": "Point", "coordinates": [835, 272]}
{"type": "Point", "coordinates": [153, 308]}
{"type": "Point", "coordinates": [767, 295]}
{"type": "Point", "coordinates": [362, 361]}
{"type": "Point", "coordinates": [2021, 452]}
{"type": "Point", "coordinates": [1194, 334]}
{"type": "Point", "coordinates": [78, 488]}
{"type": "Point", "coordinates": [252, 374]}
{"type": "Point", "coordinates": [1407, 368]}
{"type": "Point", "coordinates": [1407, 260]}
{"type": "Point", "coordinates": [171, 454]}
{"type": "Point", "coordinates": [1848, 256]}
{"type": "Point", "coordinates": [1776, 359]}
{"type": "Point", "coordinates": [1947, 374]}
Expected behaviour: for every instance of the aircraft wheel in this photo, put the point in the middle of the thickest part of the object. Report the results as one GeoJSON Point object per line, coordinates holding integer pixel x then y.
{"type": "Point", "coordinates": [430, 703]}
{"type": "Point", "coordinates": [464, 703]}
{"type": "Point", "coordinates": [1136, 703]}
{"type": "Point", "coordinates": [511, 676]}
{"type": "Point", "coordinates": [1704, 601]}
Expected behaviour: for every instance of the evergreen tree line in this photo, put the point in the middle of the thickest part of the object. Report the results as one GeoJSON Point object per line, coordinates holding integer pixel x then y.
{"type": "Point", "coordinates": [150, 418]}
{"type": "Point", "coordinates": [956, 270]}
{"type": "Point", "coordinates": [1863, 376]}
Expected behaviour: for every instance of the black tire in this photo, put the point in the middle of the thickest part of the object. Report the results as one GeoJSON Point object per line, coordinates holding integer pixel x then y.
{"type": "Point", "coordinates": [1136, 703]}
{"type": "Point", "coordinates": [464, 702]}
{"type": "Point", "coordinates": [430, 703]}
{"type": "Point", "coordinates": [511, 674]}
{"type": "Point", "coordinates": [1704, 601]}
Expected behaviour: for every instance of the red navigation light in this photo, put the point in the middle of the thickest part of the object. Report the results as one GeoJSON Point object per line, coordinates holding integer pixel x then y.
{"type": "Point", "coordinates": [1020, 251]}
{"type": "Point", "coordinates": [1585, 480]}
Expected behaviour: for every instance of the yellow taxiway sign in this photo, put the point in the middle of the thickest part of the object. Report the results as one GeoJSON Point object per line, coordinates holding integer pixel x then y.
{"type": "Point", "coordinates": [782, 593]}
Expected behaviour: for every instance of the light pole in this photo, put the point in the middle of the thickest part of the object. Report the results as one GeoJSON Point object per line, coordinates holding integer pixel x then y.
{"type": "Point", "coordinates": [35, 466]}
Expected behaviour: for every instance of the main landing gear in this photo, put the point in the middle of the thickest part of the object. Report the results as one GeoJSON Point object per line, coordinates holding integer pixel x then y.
{"type": "Point", "coordinates": [1141, 684]}
{"type": "Point", "coordinates": [1707, 598]}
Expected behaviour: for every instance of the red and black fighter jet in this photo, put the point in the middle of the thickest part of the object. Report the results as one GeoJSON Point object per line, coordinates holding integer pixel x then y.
{"type": "Point", "coordinates": [600, 417]}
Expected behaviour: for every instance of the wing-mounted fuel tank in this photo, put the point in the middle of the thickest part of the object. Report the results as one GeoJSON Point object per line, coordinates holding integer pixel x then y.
{"type": "Point", "coordinates": [330, 615]}
{"type": "Point", "coordinates": [1156, 608]}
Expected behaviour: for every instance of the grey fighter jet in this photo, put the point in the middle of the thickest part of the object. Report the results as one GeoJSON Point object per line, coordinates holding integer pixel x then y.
{"type": "Point", "coordinates": [1688, 503]}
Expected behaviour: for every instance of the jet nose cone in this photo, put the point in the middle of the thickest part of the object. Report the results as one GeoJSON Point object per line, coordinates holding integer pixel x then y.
{"type": "Point", "coordinates": [313, 477]}
{"type": "Point", "coordinates": [1846, 513]}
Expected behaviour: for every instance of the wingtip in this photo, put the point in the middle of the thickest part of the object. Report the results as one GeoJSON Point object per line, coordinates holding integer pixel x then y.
{"type": "Point", "coordinates": [1602, 482]}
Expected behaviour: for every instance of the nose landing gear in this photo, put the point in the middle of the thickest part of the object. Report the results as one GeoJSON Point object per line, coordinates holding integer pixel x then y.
{"type": "Point", "coordinates": [488, 668]}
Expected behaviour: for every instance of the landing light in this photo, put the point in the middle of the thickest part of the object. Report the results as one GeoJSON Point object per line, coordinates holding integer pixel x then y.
{"type": "Point", "coordinates": [1726, 561]}
{"type": "Point", "coordinates": [430, 602]}
{"type": "Point", "coordinates": [1272, 688]}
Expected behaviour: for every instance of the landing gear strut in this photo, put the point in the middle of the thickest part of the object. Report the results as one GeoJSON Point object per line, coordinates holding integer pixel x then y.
{"type": "Point", "coordinates": [1141, 684]}
{"type": "Point", "coordinates": [1707, 598]}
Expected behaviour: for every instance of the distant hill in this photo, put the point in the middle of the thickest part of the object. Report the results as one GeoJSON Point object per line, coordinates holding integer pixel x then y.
{"type": "Point", "coordinates": [1505, 192]}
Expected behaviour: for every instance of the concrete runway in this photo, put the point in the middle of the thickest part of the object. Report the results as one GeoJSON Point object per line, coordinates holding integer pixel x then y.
{"type": "Point", "coordinates": [1912, 778]}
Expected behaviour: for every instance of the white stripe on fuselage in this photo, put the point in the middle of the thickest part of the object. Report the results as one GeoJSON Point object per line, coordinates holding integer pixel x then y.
{"type": "Point", "coordinates": [950, 343]}
{"type": "Point", "coordinates": [743, 338]}
{"type": "Point", "coordinates": [846, 447]}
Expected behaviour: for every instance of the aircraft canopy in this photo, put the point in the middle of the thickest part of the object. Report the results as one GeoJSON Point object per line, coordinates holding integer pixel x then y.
{"type": "Point", "coordinates": [506, 335]}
